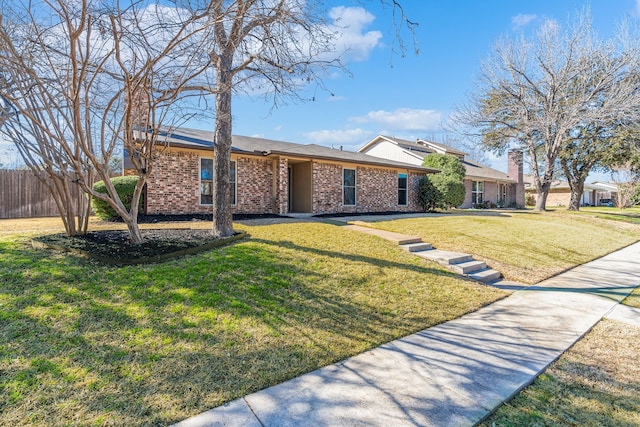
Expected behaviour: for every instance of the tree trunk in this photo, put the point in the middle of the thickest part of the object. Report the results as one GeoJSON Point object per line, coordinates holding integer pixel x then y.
{"type": "Point", "coordinates": [543, 185]}
{"type": "Point", "coordinates": [222, 217]}
{"type": "Point", "coordinates": [577, 189]}
{"type": "Point", "coordinates": [134, 229]}
{"type": "Point", "coordinates": [541, 201]}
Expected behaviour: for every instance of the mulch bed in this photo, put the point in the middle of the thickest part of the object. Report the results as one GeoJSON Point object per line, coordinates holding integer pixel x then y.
{"type": "Point", "coordinates": [113, 247]}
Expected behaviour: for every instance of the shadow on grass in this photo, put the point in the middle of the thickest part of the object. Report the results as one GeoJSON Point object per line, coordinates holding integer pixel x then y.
{"type": "Point", "coordinates": [155, 344]}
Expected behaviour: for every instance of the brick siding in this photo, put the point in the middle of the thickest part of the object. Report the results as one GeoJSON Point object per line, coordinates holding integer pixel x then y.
{"type": "Point", "coordinates": [376, 189]}
{"type": "Point", "coordinates": [262, 187]}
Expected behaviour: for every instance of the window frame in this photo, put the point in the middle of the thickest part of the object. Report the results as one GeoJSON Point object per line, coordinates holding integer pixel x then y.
{"type": "Point", "coordinates": [233, 182]}
{"type": "Point", "coordinates": [345, 187]}
{"type": "Point", "coordinates": [405, 189]}
{"type": "Point", "coordinates": [475, 192]}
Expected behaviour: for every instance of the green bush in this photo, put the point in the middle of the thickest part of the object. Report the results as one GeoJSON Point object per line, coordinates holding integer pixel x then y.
{"type": "Point", "coordinates": [529, 200]}
{"type": "Point", "coordinates": [450, 180]}
{"type": "Point", "coordinates": [447, 165]}
{"type": "Point", "coordinates": [451, 189]}
{"type": "Point", "coordinates": [428, 195]}
{"type": "Point", "coordinates": [124, 186]}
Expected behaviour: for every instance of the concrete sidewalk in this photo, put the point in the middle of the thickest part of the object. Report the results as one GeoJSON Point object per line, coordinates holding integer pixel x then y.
{"type": "Point", "coordinates": [453, 374]}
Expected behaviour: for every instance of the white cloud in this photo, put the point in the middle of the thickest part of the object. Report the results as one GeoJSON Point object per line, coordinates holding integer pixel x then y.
{"type": "Point", "coordinates": [340, 136]}
{"type": "Point", "coordinates": [403, 119]}
{"type": "Point", "coordinates": [522, 19]}
{"type": "Point", "coordinates": [349, 24]}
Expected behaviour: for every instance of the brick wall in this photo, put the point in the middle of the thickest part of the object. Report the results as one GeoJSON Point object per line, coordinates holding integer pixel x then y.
{"type": "Point", "coordinates": [376, 190]}
{"type": "Point", "coordinates": [282, 196]}
{"type": "Point", "coordinates": [554, 198]}
{"type": "Point", "coordinates": [254, 185]}
{"type": "Point", "coordinates": [174, 187]}
{"type": "Point", "coordinates": [491, 193]}
{"type": "Point", "coordinates": [327, 189]}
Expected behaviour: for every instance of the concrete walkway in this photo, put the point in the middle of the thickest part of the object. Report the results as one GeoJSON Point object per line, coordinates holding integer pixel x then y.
{"type": "Point", "coordinates": [453, 374]}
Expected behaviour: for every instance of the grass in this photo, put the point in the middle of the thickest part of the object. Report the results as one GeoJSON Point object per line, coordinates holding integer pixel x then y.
{"type": "Point", "coordinates": [524, 246]}
{"type": "Point", "coordinates": [596, 383]}
{"type": "Point", "coordinates": [86, 344]}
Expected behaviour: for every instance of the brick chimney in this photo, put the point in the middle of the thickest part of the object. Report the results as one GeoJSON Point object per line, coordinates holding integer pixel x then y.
{"type": "Point", "coordinates": [515, 172]}
{"type": "Point", "coordinates": [140, 103]}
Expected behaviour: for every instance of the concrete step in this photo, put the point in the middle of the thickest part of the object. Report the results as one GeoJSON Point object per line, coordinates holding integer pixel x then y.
{"type": "Point", "coordinates": [417, 247]}
{"type": "Point", "coordinates": [445, 257]}
{"type": "Point", "coordinates": [486, 276]}
{"type": "Point", "coordinates": [468, 267]}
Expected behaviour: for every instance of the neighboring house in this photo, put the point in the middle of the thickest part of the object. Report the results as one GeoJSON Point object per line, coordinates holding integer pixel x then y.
{"type": "Point", "coordinates": [278, 177]}
{"type": "Point", "coordinates": [595, 194]}
{"type": "Point", "coordinates": [484, 185]}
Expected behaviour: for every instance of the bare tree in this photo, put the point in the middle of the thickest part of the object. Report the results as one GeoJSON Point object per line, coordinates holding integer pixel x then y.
{"type": "Point", "coordinates": [89, 79]}
{"type": "Point", "coordinates": [534, 92]}
{"type": "Point", "coordinates": [627, 179]}
{"type": "Point", "coordinates": [271, 47]}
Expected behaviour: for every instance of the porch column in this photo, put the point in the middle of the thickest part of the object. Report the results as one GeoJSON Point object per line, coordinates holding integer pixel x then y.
{"type": "Point", "coordinates": [281, 181]}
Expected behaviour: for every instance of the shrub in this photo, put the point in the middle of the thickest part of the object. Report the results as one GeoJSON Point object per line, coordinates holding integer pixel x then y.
{"type": "Point", "coordinates": [452, 190]}
{"type": "Point", "coordinates": [124, 186]}
{"type": "Point", "coordinates": [450, 180]}
{"type": "Point", "coordinates": [448, 165]}
{"type": "Point", "coordinates": [530, 200]}
{"type": "Point", "coordinates": [428, 195]}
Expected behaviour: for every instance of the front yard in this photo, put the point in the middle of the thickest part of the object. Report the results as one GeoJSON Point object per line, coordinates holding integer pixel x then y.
{"type": "Point", "coordinates": [525, 246]}
{"type": "Point", "coordinates": [86, 344]}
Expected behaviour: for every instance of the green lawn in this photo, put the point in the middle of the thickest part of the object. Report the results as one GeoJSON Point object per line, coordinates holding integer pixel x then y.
{"type": "Point", "coordinates": [525, 246]}
{"type": "Point", "coordinates": [595, 383]}
{"type": "Point", "coordinates": [85, 344]}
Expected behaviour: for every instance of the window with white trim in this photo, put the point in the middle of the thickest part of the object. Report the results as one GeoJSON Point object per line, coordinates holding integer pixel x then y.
{"type": "Point", "coordinates": [477, 192]}
{"type": "Point", "coordinates": [402, 189]}
{"type": "Point", "coordinates": [349, 187]}
{"type": "Point", "coordinates": [206, 182]}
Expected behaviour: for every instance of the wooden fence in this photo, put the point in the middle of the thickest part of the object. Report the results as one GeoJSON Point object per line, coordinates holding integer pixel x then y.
{"type": "Point", "coordinates": [23, 196]}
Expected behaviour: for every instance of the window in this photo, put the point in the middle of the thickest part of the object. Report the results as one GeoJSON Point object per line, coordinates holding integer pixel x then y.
{"type": "Point", "coordinates": [232, 183]}
{"type": "Point", "coordinates": [349, 187]}
{"type": "Point", "coordinates": [206, 182]}
{"type": "Point", "coordinates": [477, 192]}
{"type": "Point", "coordinates": [402, 188]}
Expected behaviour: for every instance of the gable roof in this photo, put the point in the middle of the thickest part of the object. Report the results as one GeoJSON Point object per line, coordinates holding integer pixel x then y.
{"type": "Point", "coordinates": [200, 139]}
{"type": "Point", "coordinates": [477, 170]}
{"type": "Point", "coordinates": [422, 148]}
{"type": "Point", "coordinates": [419, 145]}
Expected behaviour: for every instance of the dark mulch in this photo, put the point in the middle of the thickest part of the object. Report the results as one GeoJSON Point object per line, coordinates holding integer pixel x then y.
{"type": "Point", "coordinates": [113, 247]}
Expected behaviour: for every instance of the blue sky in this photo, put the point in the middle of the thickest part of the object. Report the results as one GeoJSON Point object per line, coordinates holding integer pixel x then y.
{"type": "Point", "coordinates": [410, 96]}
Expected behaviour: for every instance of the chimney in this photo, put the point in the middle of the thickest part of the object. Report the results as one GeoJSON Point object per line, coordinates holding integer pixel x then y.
{"type": "Point", "coordinates": [140, 103]}
{"type": "Point", "coordinates": [515, 172]}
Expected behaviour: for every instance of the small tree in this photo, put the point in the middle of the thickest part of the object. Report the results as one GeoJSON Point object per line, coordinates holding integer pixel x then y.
{"type": "Point", "coordinates": [450, 180]}
{"type": "Point", "coordinates": [88, 80]}
{"type": "Point", "coordinates": [428, 195]}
